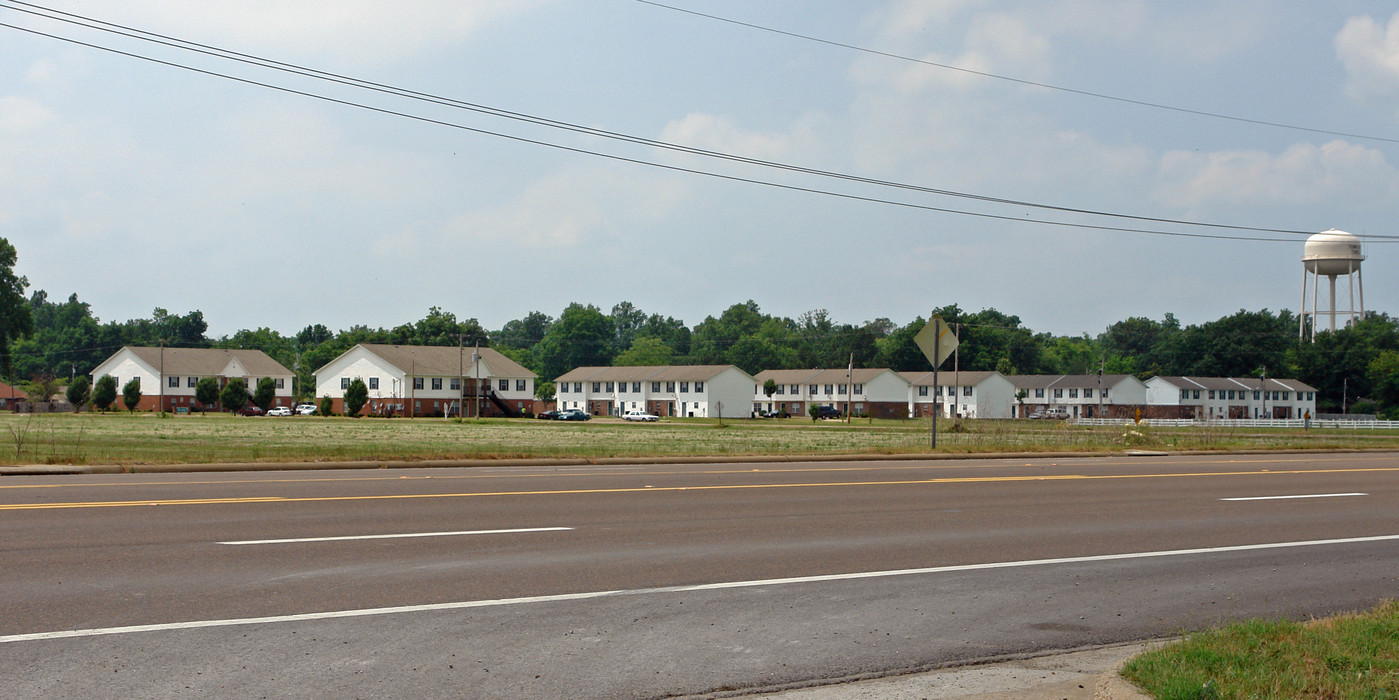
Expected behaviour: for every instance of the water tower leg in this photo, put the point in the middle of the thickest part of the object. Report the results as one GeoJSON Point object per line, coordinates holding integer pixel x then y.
{"type": "Point", "coordinates": [1360, 280]}
{"type": "Point", "coordinates": [1350, 282]}
{"type": "Point", "coordinates": [1332, 280]}
{"type": "Point", "coordinates": [1316, 285]}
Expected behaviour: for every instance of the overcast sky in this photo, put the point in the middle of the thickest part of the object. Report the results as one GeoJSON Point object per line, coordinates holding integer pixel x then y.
{"type": "Point", "coordinates": [139, 185]}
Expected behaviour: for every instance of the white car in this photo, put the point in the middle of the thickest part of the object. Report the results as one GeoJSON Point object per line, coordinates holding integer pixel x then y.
{"type": "Point", "coordinates": [306, 409]}
{"type": "Point", "coordinates": [279, 411]}
{"type": "Point", "coordinates": [640, 415]}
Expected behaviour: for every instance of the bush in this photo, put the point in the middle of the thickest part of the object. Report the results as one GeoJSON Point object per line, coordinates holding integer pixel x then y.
{"type": "Point", "coordinates": [326, 406]}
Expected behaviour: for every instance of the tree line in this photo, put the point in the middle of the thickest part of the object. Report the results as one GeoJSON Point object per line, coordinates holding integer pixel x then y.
{"type": "Point", "coordinates": [1357, 367]}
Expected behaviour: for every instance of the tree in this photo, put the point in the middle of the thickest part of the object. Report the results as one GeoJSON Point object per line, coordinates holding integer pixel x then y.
{"type": "Point", "coordinates": [356, 396]}
{"type": "Point", "coordinates": [42, 388]}
{"type": "Point", "coordinates": [266, 392]}
{"type": "Point", "coordinates": [544, 390]}
{"type": "Point", "coordinates": [326, 406]}
{"type": "Point", "coordinates": [523, 333]}
{"type": "Point", "coordinates": [79, 391]}
{"type": "Point", "coordinates": [15, 319]}
{"type": "Point", "coordinates": [581, 337]}
{"type": "Point", "coordinates": [104, 394]}
{"type": "Point", "coordinates": [206, 392]}
{"type": "Point", "coordinates": [1384, 375]}
{"type": "Point", "coordinates": [770, 388]}
{"type": "Point", "coordinates": [645, 352]}
{"type": "Point", "coordinates": [131, 393]}
{"type": "Point", "coordinates": [234, 395]}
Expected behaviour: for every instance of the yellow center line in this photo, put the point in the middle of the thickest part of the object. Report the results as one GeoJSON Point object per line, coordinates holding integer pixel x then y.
{"type": "Point", "coordinates": [664, 489]}
{"type": "Point", "coordinates": [563, 470]}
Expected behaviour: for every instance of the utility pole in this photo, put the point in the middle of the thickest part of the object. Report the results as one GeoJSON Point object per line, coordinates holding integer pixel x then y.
{"type": "Point", "coordinates": [480, 388]}
{"type": "Point", "coordinates": [162, 377]}
{"type": "Point", "coordinates": [461, 376]}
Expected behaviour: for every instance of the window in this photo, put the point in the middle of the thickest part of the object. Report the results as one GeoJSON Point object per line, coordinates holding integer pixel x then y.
{"type": "Point", "coordinates": [597, 387]}
{"type": "Point", "coordinates": [1255, 396]}
{"type": "Point", "coordinates": [684, 387]}
{"type": "Point", "coordinates": [417, 382]}
{"type": "Point", "coordinates": [829, 390]}
{"type": "Point", "coordinates": [437, 384]}
{"type": "Point", "coordinates": [1211, 393]}
{"type": "Point", "coordinates": [780, 387]}
{"type": "Point", "coordinates": [1073, 393]}
{"type": "Point", "coordinates": [939, 391]}
{"type": "Point", "coordinates": [520, 384]}
{"type": "Point", "coordinates": [504, 384]}
{"type": "Point", "coordinates": [455, 384]}
{"type": "Point", "coordinates": [655, 387]}
{"type": "Point", "coordinates": [922, 391]}
{"type": "Point", "coordinates": [191, 382]}
{"type": "Point", "coordinates": [1311, 396]}
{"type": "Point", "coordinates": [344, 383]}
{"type": "Point", "coordinates": [578, 389]}
{"type": "Point", "coordinates": [1285, 394]}
{"type": "Point", "coordinates": [173, 382]}
{"type": "Point", "coordinates": [1103, 393]}
{"type": "Point", "coordinates": [670, 387]}
{"type": "Point", "coordinates": [858, 389]}
{"type": "Point", "coordinates": [1184, 394]}
{"type": "Point", "coordinates": [699, 387]}
{"type": "Point", "coordinates": [1039, 393]}
{"type": "Point", "coordinates": [1195, 394]}
{"type": "Point", "coordinates": [811, 389]}
{"type": "Point", "coordinates": [796, 389]}
{"type": "Point", "coordinates": [1058, 393]}
{"type": "Point", "coordinates": [281, 383]}
{"type": "Point", "coordinates": [966, 391]}
{"type": "Point", "coordinates": [1087, 393]}
{"type": "Point", "coordinates": [840, 389]}
{"type": "Point", "coordinates": [563, 388]}
{"type": "Point", "coordinates": [612, 386]}
{"type": "Point", "coordinates": [373, 382]}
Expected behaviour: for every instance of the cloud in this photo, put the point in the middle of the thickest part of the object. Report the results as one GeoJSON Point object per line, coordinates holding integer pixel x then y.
{"type": "Point", "coordinates": [1370, 54]}
{"type": "Point", "coordinates": [353, 31]}
{"type": "Point", "coordinates": [1334, 173]}
{"type": "Point", "coordinates": [20, 114]}
{"type": "Point", "coordinates": [717, 133]}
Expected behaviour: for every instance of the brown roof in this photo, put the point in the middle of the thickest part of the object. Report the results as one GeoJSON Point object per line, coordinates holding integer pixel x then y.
{"type": "Point", "coordinates": [1251, 383]}
{"type": "Point", "coordinates": [208, 362]}
{"type": "Point", "coordinates": [946, 378]}
{"type": "Point", "coordinates": [1061, 381]}
{"type": "Point", "coordinates": [7, 391]}
{"type": "Point", "coordinates": [668, 373]}
{"type": "Point", "coordinates": [444, 360]}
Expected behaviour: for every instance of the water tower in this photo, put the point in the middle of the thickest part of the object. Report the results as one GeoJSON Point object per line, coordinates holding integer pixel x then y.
{"type": "Point", "coordinates": [1331, 253]}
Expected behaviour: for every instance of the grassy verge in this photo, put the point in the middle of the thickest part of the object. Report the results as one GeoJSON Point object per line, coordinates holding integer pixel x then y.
{"type": "Point", "coordinates": [1351, 656]}
{"type": "Point", "coordinates": [150, 439]}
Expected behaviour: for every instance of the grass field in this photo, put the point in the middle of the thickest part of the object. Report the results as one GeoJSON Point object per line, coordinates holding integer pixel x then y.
{"type": "Point", "coordinates": [144, 438]}
{"type": "Point", "coordinates": [1350, 656]}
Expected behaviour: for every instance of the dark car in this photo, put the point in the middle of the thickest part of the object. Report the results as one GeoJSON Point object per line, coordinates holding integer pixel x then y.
{"type": "Point", "coordinates": [250, 410]}
{"type": "Point", "coordinates": [574, 414]}
{"type": "Point", "coordinates": [827, 412]}
{"type": "Point", "coordinates": [549, 415]}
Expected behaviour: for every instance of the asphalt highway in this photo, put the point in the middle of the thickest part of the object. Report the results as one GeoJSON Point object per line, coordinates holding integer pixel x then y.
{"type": "Point", "coordinates": [647, 581]}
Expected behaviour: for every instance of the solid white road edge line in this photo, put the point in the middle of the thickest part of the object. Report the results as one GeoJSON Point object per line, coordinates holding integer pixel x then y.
{"type": "Point", "coordinates": [401, 535]}
{"type": "Point", "coordinates": [1283, 498]}
{"type": "Point", "coordinates": [501, 602]}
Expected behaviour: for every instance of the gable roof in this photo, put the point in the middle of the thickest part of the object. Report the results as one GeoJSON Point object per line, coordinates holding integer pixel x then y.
{"type": "Point", "coordinates": [1248, 383]}
{"type": "Point", "coordinates": [441, 360]}
{"type": "Point", "coordinates": [657, 373]}
{"type": "Point", "coordinates": [963, 378]}
{"type": "Point", "coordinates": [207, 362]}
{"type": "Point", "coordinates": [1067, 381]}
{"type": "Point", "coordinates": [7, 391]}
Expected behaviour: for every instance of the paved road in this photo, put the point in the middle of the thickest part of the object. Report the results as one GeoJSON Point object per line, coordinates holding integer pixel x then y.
{"type": "Point", "coordinates": [653, 581]}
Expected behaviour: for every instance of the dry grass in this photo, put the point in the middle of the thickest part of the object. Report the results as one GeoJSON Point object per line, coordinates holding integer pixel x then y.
{"type": "Point", "coordinates": [150, 439]}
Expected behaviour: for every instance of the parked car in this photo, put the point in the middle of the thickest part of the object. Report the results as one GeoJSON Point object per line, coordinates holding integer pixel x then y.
{"type": "Point", "coordinates": [640, 415]}
{"type": "Point", "coordinates": [279, 411]}
{"type": "Point", "coordinates": [574, 414]}
{"type": "Point", "coordinates": [549, 415]}
{"type": "Point", "coordinates": [827, 412]}
{"type": "Point", "coordinates": [1057, 413]}
{"type": "Point", "coordinates": [250, 410]}
{"type": "Point", "coordinates": [306, 409]}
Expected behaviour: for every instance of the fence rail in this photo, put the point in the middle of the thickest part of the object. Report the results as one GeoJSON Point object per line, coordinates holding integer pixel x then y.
{"type": "Point", "coordinates": [1246, 423]}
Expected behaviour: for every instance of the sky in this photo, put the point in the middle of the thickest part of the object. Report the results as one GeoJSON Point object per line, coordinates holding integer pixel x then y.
{"type": "Point", "coordinates": [139, 185]}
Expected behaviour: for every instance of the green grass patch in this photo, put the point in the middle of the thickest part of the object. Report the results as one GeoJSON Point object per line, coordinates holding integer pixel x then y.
{"type": "Point", "coordinates": [1349, 656]}
{"type": "Point", "coordinates": [143, 438]}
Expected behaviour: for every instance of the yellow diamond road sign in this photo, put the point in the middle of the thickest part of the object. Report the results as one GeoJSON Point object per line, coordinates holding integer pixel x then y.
{"type": "Point", "coordinates": [936, 340]}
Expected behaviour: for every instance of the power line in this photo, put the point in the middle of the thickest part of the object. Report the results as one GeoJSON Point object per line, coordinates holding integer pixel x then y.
{"type": "Point", "coordinates": [1022, 81]}
{"type": "Point", "coordinates": [217, 52]}
{"type": "Point", "coordinates": [244, 58]}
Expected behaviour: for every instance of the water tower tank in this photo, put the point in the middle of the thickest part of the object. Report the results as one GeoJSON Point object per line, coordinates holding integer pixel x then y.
{"type": "Point", "coordinates": [1332, 253]}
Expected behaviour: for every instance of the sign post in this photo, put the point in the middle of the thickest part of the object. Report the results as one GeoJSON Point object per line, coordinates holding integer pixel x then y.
{"type": "Point", "coordinates": [937, 342]}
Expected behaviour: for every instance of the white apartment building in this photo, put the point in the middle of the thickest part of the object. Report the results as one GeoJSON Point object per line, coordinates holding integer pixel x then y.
{"type": "Point", "coordinates": [691, 391]}
{"type": "Point", "coordinates": [168, 376]}
{"type": "Point", "coordinates": [881, 393]}
{"type": "Point", "coordinates": [1082, 395]}
{"type": "Point", "coordinates": [965, 394]}
{"type": "Point", "coordinates": [420, 380]}
{"type": "Point", "coordinates": [1212, 398]}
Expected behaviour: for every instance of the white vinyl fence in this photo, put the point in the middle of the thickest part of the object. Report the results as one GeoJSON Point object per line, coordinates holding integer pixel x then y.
{"type": "Point", "coordinates": [1246, 423]}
